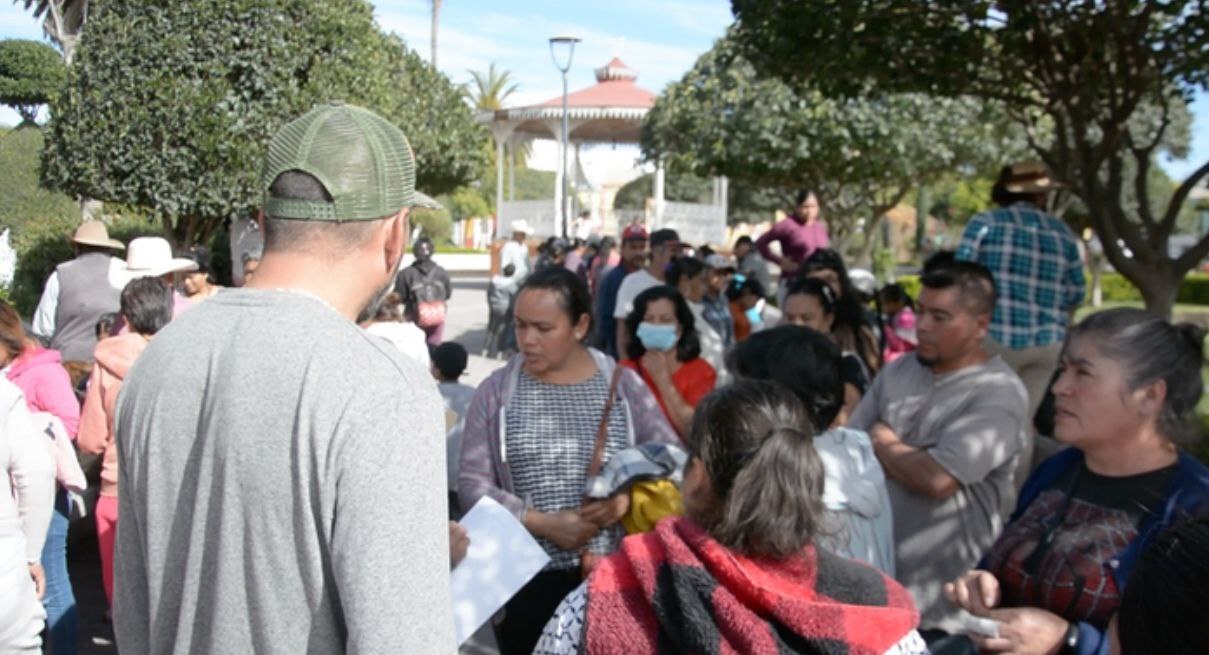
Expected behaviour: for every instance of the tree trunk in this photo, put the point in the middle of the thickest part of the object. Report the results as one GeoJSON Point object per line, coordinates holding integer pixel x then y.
{"type": "Point", "coordinates": [1159, 292]}
{"type": "Point", "coordinates": [436, 19]}
{"type": "Point", "coordinates": [864, 255]}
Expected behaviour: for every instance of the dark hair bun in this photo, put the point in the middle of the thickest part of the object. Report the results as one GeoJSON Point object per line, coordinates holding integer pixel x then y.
{"type": "Point", "coordinates": [1194, 336]}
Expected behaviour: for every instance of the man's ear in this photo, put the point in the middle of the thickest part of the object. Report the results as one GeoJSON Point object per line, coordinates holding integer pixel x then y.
{"type": "Point", "coordinates": [395, 243]}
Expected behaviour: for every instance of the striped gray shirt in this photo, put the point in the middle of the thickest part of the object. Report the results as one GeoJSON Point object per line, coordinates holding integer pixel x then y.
{"type": "Point", "coordinates": [549, 437]}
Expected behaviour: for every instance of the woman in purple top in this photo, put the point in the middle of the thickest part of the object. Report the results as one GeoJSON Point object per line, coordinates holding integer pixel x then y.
{"type": "Point", "coordinates": [800, 234]}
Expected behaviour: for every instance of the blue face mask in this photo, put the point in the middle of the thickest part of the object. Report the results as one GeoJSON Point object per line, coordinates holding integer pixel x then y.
{"type": "Point", "coordinates": [753, 315]}
{"type": "Point", "coordinates": [657, 337]}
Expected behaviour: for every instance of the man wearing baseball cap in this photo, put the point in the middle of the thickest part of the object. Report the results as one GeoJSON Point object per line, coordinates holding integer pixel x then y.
{"type": "Point", "coordinates": [282, 472]}
{"type": "Point", "coordinates": [633, 257]}
{"type": "Point", "coordinates": [665, 247]}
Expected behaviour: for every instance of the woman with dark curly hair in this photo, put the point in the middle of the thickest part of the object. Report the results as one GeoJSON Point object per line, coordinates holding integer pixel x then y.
{"type": "Point", "coordinates": [665, 351]}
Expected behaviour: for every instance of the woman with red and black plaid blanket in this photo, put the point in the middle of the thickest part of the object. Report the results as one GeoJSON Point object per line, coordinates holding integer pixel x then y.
{"type": "Point", "coordinates": [739, 573]}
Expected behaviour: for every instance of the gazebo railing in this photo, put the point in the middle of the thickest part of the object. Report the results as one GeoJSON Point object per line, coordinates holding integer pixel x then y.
{"type": "Point", "coordinates": [695, 223]}
{"type": "Point", "coordinates": [540, 214]}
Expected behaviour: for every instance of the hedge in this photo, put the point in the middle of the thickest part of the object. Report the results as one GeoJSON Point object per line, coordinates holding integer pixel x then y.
{"type": "Point", "coordinates": [1194, 289]}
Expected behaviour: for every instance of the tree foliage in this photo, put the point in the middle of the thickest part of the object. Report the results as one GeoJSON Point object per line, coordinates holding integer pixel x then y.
{"type": "Point", "coordinates": [22, 201]}
{"type": "Point", "coordinates": [490, 88]}
{"type": "Point", "coordinates": [170, 105]}
{"type": "Point", "coordinates": [30, 73]}
{"type": "Point", "coordinates": [860, 155]}
{"type": "Point", "coordinates": [1095, 84]}
{"type": "Point", "coordinates": [62, 21]}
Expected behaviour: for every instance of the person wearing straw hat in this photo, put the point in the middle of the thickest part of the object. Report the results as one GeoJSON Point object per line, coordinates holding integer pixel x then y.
{"type": "Point", "coordinates": [1038, 272]}
{"type": "Point", "coordinates": [281, 472]}
{"type": "Point", "coordinates": [77, 294]}
{"type": "Point", "coordinates": [150, 257]}
{"type": "Point", "coordinates": [516, 251]}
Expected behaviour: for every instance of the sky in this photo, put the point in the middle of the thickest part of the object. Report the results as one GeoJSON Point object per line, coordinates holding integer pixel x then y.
{"type": "Point", "coordinates": [661, 39]}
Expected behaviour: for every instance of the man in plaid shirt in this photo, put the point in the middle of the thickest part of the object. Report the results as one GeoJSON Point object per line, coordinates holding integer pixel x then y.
{"type": "Point", "coordinates": [1038, 270]}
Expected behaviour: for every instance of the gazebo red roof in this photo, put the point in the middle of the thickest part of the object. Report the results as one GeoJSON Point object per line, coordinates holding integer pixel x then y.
{"type": "Point", "coordinates": [611, 111]}
{"type": "Point", "coordinates": [614, 87]}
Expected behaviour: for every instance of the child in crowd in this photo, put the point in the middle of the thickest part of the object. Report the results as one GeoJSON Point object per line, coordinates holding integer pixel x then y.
{"type": "Point", "coordinates": [390, 322]}
{"type": "Point", "coordinates": [745, 295]}
{"type": "Point", "coordinates": [448, 364]}
{"type": "Point", "coordinates": [899, 310]}
{"type": "Point", "coordinates": [501, 291]}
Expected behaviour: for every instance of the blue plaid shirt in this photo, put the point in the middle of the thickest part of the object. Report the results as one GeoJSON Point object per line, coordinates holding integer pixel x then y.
{"type": "Point", "coordinates": [1038, 272]}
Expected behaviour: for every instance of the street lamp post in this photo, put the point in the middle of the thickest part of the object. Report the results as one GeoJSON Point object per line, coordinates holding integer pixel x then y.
{"type": "Point", "coordinates": [569, 43]}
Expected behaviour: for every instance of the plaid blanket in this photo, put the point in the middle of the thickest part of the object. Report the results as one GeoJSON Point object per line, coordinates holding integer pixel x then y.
{"type": "Point", "coordinates": [676, 590]}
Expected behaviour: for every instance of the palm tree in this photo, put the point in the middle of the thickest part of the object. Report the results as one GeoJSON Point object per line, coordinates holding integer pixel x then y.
{"type": "Point", "coordinates": [62, 21]}
{"type": "Point", "coordinates": [491, 88]}
{"type": "Point", "coordinates": [487, 91]}
{"type": "Point", "coordinates": [436, 19]}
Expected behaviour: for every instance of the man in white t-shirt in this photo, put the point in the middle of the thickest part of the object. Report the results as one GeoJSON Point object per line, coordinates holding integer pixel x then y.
{"type": "Point", "coordinates": [665, 246]}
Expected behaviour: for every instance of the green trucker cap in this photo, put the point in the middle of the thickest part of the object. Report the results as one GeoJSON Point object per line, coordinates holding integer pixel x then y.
{"type": "Point", "coordinates": [364, 162]}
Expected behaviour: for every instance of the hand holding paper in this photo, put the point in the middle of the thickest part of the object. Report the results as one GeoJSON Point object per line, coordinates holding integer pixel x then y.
{"type": "Point", "coordinates": [502, 557]}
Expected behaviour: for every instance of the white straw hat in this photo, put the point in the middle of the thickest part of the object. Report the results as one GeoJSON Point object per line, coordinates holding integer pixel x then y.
{"type": "Point", "coordinates": [149, 257]}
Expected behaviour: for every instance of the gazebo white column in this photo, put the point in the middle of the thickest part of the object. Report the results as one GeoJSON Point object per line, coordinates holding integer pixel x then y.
{"type": "Point", "coordinates": [512, 145]}
{"type": "Point", "coordinates": [658, 193]}
{"type": "Point", "coordinates": [555, 126]}
{"type": "Point", "coordinates": [501, 132]}
{"type": "Point", "coordinates": [721, 192]}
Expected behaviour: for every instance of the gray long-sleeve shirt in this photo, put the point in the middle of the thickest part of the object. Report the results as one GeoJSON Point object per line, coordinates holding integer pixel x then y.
{"type": "Point", "coordinates": [281, 488]}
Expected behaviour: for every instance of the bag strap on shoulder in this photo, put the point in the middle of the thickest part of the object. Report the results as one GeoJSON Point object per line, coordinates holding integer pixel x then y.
{"type": "Point", "coordinates": [602, 430]}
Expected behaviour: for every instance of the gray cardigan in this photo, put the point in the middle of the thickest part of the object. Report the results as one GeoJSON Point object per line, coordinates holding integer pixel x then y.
{"type": "Point", "coordinates": [484, 470]}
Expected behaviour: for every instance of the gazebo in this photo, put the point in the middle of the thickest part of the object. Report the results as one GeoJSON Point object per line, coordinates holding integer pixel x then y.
{"type": "Point", "coordinates": [610, 111]}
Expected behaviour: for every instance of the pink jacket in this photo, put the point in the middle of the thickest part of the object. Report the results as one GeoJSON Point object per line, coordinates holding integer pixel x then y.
{"type": "Point", "coordinates": [114, 357]}
{"type": "Point", "coordinates": [40, 375]}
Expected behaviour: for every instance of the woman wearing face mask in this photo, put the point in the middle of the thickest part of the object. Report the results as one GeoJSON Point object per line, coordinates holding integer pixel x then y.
{"type": "Point", "coordinates": [531, 431]}
{"type": "Point", "coordinates": [663, 348]}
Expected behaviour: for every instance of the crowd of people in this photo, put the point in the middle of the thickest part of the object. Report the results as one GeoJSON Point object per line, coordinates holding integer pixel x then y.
{"type": "Point", "coordinates": [714, 459]}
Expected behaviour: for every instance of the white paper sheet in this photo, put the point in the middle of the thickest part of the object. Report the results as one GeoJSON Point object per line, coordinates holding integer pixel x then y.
{"type": "Point", "coordinates": [502, 557]}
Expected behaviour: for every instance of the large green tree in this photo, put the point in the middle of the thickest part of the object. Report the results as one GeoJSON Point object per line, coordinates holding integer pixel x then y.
{"type": "Point", "coordinates": [30, 73]}
{"type": "Point", "coordinates": [861, 156]}
{"type": "Point", "coordinates": [169, 105]}
{"type": "Point", "coordinates": [1102, 79]}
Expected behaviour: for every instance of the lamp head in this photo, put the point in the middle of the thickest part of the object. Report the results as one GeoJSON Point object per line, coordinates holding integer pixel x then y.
{"type": "Point", "coordinates": [561, 42]}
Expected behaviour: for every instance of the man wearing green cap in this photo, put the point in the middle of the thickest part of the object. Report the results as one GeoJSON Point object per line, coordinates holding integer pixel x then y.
{"type": "Point", "coordinates": [281, 471]}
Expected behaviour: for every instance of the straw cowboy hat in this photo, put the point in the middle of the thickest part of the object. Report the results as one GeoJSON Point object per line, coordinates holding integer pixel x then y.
{"type": "Point", "coordinates": [1029, 177]}
{"type": "Point", "coordinates": [522, 226]}
{"type": "Point", "coordinates": [149, 257]}
{"type": "Point", "coordinates": [94, 233]}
